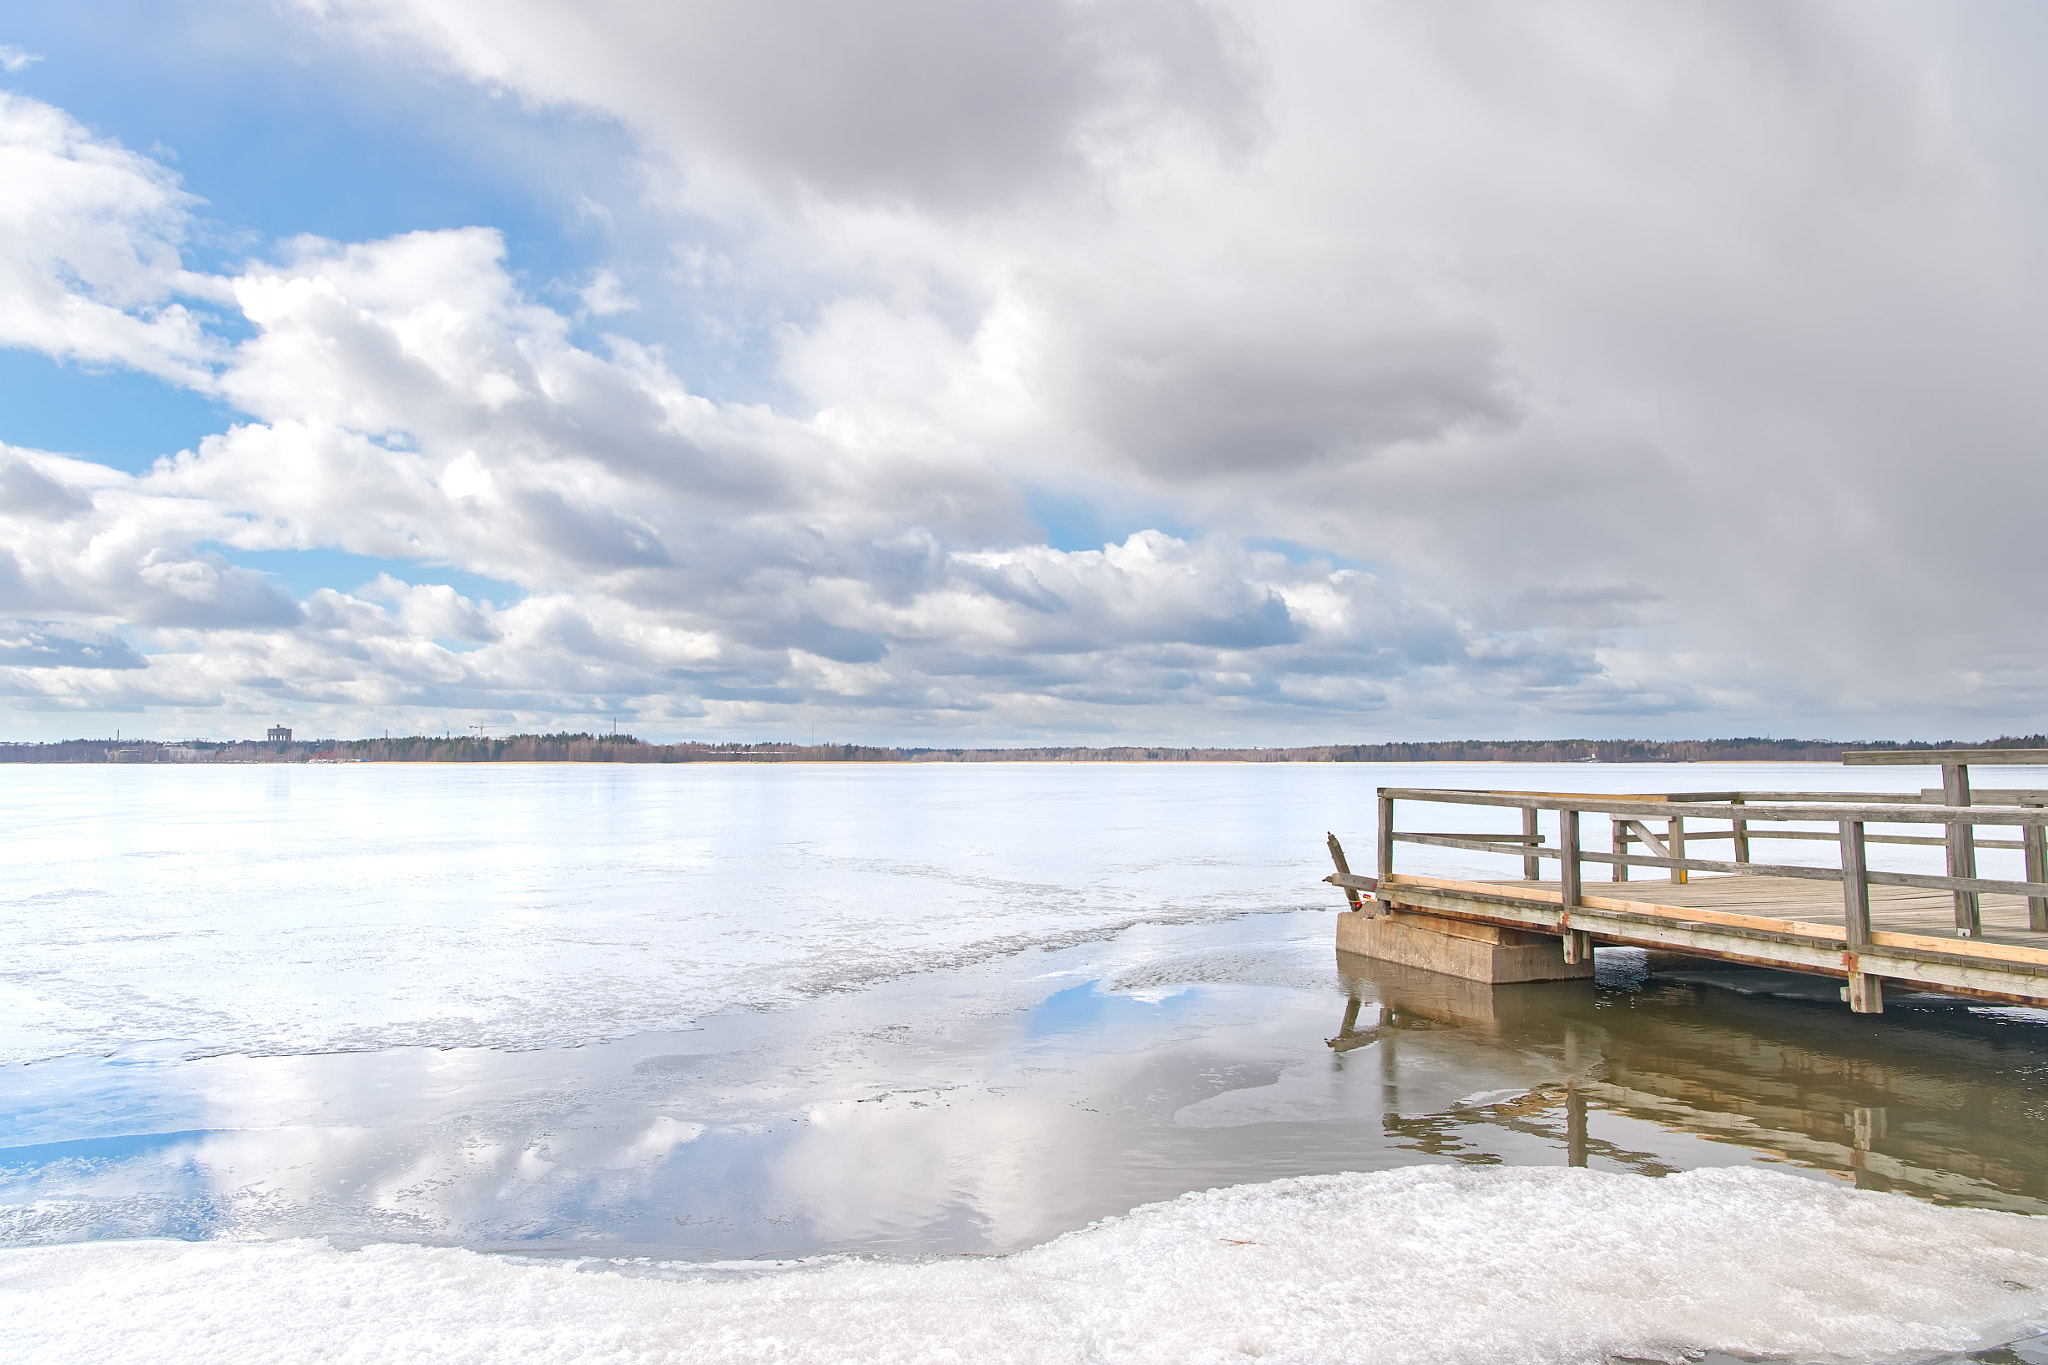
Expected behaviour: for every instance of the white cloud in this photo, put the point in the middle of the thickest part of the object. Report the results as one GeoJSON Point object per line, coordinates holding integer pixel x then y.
{"type": "Point", "coordinates": [89, 237]}
{"type": "Point", "coordinates": [13, 58]}
{"type": "Point", "coordinates": [1577, 372]}
{"type": "Point", "coordinates": [605, 296]}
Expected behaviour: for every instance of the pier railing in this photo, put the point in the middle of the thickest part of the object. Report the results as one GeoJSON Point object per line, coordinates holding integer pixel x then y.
{"type": "Point", "coordinates": [1668, 827]}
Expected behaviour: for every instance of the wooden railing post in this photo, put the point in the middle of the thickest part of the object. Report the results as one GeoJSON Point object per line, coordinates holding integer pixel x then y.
{"type": "Point", "coordinates": [1855, 886]}
{"type": "Point", "coordinates": [1386, 833]}
{"type": "Point", "coordinates": [1568, 855]}
{"type": "Point", "coordinates": [1532, 868]}
{"type": "Point", "coordinates": [1741, 837]}
{"type": "Point", "coordinates": [1621, 839]}
{"type": "Point", "coordinates": [1962, 848]}
{"type": "Point", "coordinates": [1866, 992]}
{"type": "Point", "coordinates": [1675, 841]}
{"type": "Point", "coordinates": [1577, 946]}
{"type": "Point", "coordinates": [2036, 840]}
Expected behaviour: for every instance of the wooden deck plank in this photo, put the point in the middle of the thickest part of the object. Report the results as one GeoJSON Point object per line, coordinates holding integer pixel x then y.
{"type": "Point", "coordinates": [1893, 909]}
{"type": "Point", "coordinates": [1919, 950]}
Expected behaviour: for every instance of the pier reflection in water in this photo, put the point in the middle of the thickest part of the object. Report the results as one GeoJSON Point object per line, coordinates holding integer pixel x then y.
{"type": "Point", "coordinates": [1941, 1099]}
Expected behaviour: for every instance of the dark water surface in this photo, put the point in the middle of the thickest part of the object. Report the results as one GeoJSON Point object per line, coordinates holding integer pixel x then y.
{"type": "Point", "coordinates": [989, 1107]}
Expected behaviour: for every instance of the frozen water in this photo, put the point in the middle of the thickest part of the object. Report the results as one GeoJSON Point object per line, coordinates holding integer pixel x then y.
{"type": "Point", "coordinates": [1427, 1265]}
{"type": "Point", "coordinates": [361, 907]}
{"type": "Point", "coordinates": [346, 1028]}
{"type": "Point", "coordinates": [271, 909]}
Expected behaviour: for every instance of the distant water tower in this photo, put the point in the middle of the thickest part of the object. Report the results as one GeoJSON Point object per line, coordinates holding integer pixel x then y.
{"type": "Point", "coordinates": [280, 734]}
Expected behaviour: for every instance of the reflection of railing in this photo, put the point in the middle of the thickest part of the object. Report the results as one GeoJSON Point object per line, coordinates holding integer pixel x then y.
{"type": "Point", "coordinates": [1933, 1107]}
{"type": "Point", "coordinates": [1851, 813]}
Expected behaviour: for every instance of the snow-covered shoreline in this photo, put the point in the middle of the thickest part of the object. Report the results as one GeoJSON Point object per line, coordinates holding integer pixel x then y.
{"type": "Point", "coordinates": [1426, 1264]}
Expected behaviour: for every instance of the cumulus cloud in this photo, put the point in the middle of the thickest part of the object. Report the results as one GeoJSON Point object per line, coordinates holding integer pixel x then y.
{"type": "Point", "coordinates": [706, 560]}
{"type": "Point", "coordinates": [1632, 363]}
{"type": "Point", "coordinates": [89, 262]}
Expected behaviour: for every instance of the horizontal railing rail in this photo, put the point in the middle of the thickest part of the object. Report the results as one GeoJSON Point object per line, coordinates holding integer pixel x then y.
{"type": "Point", "coordinates": [1655, 809]}
{"type": "Point", "coordinates": [1695, 836]}
{"type": "Point", "coordinates": [1749, 818]}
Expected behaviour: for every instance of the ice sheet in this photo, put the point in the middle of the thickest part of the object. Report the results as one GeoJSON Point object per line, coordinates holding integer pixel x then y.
{"type": "Point", "coordinates": [274, 910]}
{"type": "Point", "coordinates": [1421, 1265]}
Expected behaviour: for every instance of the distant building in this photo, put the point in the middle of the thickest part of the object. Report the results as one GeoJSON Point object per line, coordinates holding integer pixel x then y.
{"type": "Point", "coordinates": [280, 734]}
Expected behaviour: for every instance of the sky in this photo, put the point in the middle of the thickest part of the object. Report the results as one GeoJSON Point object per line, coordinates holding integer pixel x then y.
{"type": "Point", "coordinates": [953, 372]}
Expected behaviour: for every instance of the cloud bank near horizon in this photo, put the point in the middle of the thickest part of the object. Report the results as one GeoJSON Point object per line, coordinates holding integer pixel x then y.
{"type": "Point", "coordinates": [1154, 371]}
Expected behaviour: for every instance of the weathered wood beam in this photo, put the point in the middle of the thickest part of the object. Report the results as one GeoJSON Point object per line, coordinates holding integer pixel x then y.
{"type": "Point", "coordinates": [2005, 955]}
{"type": "Point", "coordinates": [1855, 885]}
{"type": "Point", "coordinates": [1992, 796]}
{"type": "Point", "coordinates": [1699, 836]}
{"type": "Point", "coordinates": [1823, 874]}
{"type": "Point", "coordinates": [1922, 840]}
{"type": "Point", "coordinates": [1928, 758]}
{"type": "Point", "coordinates": [1939, 964]}
{"type": "Point", "coordinates": [1852, 798]}
{"type": "Point", "coordinates": [1645, 809]}
{"type": "Point", "coordinates": [1386, 832]}
{"type": "Point", "coordinates": [1962, 852]}
{"type": "Point", "coordinates": [1568, 857]}
{"type": "Point", "coordinates": [2036, 844]}
{"type": "Point", "coordinates": [1641, 831]}
{"type": "Point", "coordinates": [1595, 796]}
{"type": "Point", "coordinates": [1343, 869]}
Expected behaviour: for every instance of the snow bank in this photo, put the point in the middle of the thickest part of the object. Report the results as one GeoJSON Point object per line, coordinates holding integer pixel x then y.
{"type": "Point", "coordinates": [1433, 1264]}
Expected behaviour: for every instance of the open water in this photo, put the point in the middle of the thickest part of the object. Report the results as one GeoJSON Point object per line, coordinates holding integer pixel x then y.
{"type": "Point", "coordinates": [677, 1033]}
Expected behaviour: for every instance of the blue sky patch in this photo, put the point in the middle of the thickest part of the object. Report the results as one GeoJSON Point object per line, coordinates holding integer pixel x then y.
{"type": "Point", "coordinates": [112, 416]}
{"type": "Point", "coordinates": [1070, 524]}
{"type": "Point", "coordinates": [302, 572]}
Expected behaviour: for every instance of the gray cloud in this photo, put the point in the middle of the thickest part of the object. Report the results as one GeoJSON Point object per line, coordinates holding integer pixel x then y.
{"type": "Point", "coordinates": [1301, 370]}
{"type": "Point", "coordinates": [206, 591]}
{"type": "Point", "coordinates": [51, 644]}
{"type": "Point", "coordinates": [594, 535]}
{"type": "Point", "coordinates": [29, 492]}
{"type": "Point", "coordinates": [953, 103]}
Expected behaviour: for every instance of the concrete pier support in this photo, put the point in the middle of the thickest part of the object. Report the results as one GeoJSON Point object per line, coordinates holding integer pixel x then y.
{"type": "Point", "coordinates": [1476, 952]}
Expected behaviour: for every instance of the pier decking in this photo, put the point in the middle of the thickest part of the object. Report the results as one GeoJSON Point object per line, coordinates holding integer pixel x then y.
{"type": "Point", "coordinates": [1956, 932]}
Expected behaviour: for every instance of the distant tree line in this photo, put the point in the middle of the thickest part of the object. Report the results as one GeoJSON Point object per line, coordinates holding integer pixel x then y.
{"type": "Point", "coordinates": [583, 747]}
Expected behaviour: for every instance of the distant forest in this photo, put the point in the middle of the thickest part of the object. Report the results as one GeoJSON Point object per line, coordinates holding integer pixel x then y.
{"type": "Point", "coordinates": [588, 748]}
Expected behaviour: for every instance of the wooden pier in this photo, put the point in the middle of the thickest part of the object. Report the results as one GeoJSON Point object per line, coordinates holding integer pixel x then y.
{"type": "Point", "coordinates": [1955, 932]}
